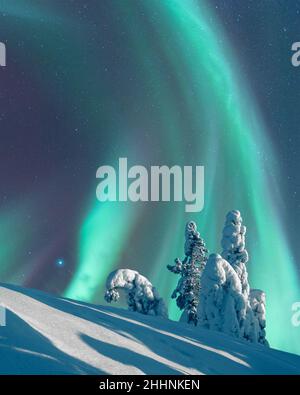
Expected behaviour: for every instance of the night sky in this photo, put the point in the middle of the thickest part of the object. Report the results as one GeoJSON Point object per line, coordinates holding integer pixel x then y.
{"type": "Point", "coordinates": [159, 82]}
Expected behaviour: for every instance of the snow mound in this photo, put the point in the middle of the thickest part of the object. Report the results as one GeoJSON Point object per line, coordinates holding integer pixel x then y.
{"type": "Point", "coordinates": [222, 304]}
{"type": "Point", "coordinates": [141, 295]}
{"type": "Point", "coordinates": [50, 335]}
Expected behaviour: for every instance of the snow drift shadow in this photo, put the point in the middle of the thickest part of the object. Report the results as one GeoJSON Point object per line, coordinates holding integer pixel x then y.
{"type": "Point", "coordinates": [175, 346]}
{"type": "Point", "coordinates": [33, 351]}
{"type": "Point", "coordinates": [190, 353]}
{"type": "Point", "coordinates": [128, 357]}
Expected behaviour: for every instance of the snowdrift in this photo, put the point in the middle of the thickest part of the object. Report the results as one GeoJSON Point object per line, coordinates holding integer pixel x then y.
{"type": "Point", "coordinates": [50, 335]}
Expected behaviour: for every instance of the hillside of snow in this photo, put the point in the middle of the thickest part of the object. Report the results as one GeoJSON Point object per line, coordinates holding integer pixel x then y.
{"type": "Point", "coordinates": [50, 335]}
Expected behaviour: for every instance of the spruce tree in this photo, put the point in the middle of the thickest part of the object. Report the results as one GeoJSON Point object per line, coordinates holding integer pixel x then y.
{"type": "Point", "coordinates": [234, 247]}
{"type": "Point", "coordinates": [234, 252]}
{"type": "Point", "coordinates": [190, 269]}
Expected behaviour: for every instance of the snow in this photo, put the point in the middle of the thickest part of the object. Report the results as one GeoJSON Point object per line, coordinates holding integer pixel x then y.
{"type": "Point", "coordinates": [141, 295]}
{"type": "Point", "coordinates": [233, 243]}
{"type": "Point", "coordinates": [222, 304]}
{"type": "Point", "coordinates": [253, 323]}
{"type": "Point", "coordinates": [51, 335]}
{"type": "Point", "coordinates": [257, 300]}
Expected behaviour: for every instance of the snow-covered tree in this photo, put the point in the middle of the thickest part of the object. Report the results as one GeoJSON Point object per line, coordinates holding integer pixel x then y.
{"type": "Point", "coordinates": [258, 305]}
{"type": "Point", "coordinates": [141, 295]}
{"type": "Point", "coordinates": [190, 269]}
{"type": "Point", "coordinates": [252, 326]}
{"type": "Point", "coordinates": [222, 304]}
{"type": "Point", "coordinates": [234, 248]}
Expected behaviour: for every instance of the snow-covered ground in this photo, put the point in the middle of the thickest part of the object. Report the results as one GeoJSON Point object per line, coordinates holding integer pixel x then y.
{"type": "Point", "coordinates": [49, 335]}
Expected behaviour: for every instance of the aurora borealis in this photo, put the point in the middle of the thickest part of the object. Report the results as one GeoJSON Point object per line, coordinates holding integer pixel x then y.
{"type": "Point", "coordinates": [159, 82]}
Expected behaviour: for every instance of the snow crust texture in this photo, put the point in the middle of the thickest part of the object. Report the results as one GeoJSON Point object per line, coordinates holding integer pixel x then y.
{"type": "Point", "coordinates": [50, 335]}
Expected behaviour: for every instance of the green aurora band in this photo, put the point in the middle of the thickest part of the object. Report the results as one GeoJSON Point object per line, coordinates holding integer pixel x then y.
{"type": "Point", "coordinates": [224, 132]}
{"type": "Point", "coordinates": [229, 138]}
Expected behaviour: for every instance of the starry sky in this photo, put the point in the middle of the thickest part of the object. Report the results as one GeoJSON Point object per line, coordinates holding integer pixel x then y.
{"type": "Point", "coordinates": [187, 82]}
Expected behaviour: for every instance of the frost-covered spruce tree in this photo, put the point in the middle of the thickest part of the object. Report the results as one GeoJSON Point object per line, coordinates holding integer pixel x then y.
{"type": "Point", "coordinates": [222, 304]}
{"type": "Point", "coordinates": [233, 244]}
{"type": "Point", "coordinates": [258, 305]}
{"type": "Point", "coordinates": [190, 269]}
{"type": "Point", "coordinates": [234, 251]}
{"type": "Point", "coordinates": [141, 295]}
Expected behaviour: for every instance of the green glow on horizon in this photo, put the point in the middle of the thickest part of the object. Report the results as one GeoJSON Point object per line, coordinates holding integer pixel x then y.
{"type": "Point", "coordinates": [242, 146]}
{"type": "Point", "coordinates": [233, 146]}
{"type": "Point", "coordinates": [225, 133]}
{"type": "Point", "coordinates": [102, 239]}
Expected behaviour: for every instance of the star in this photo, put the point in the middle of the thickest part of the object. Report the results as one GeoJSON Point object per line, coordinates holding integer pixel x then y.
{"type": "Point", "coordinates": [60, 262]}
